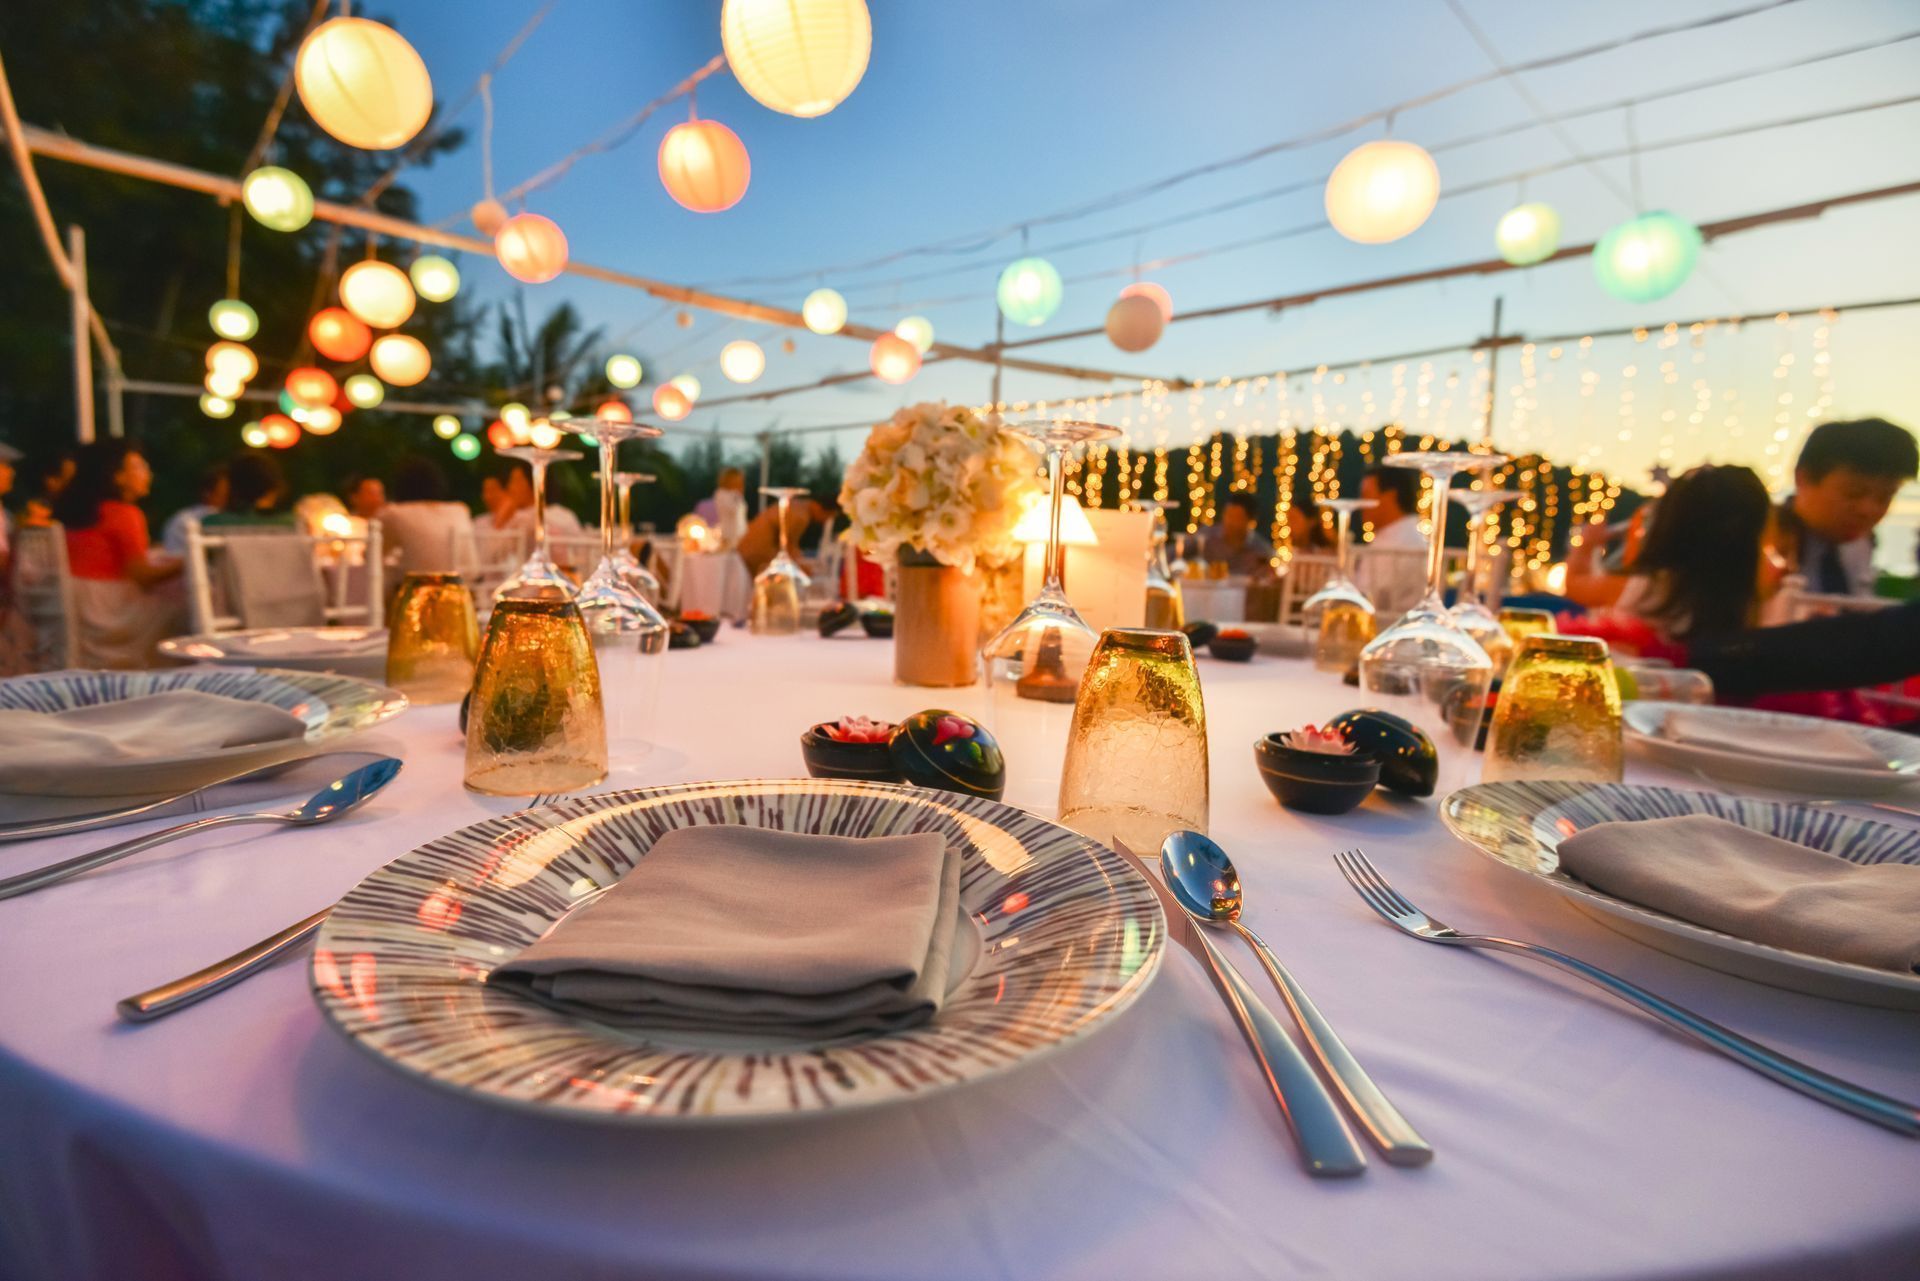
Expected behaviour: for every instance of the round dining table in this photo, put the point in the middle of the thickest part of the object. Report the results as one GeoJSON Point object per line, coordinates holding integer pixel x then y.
{"type": "Point", "coordinates": [1575, 1138]}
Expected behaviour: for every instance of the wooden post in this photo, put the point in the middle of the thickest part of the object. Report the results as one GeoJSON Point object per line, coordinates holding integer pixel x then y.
{"type": "Point", "coordinates": [82, 340]}
{"type": "Point", "coordinates": [766, 466]}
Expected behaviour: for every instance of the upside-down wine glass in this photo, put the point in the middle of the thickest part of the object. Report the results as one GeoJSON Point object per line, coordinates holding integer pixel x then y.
{"type": "Point", "coordinates": [1425, 667]}
{"type": "Point", "coordinates": [777, 588]}
{"type": "Point", "coordinates": [632, 572]}
{"type": "Point", "coordinates": [1342, 612]}
{"type": "Point", "coordinates": [1469, 601]}
{"type": "Point", "coordinates": [1166, 607]}
{"type": "Point", "coordinates": [538, 578]}
{"type": "Point", "coordinates": [628, 634]}
{"type": "Point", "coordinates": [1033, 666]}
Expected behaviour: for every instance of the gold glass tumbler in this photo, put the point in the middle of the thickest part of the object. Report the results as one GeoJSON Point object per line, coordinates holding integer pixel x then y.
{"type": "Point", "coordinates": [1136, 765]}
{"type": "Point", "coordinates": [1559, 714]}
{"type": "Point", "coordinates": [432, 638]}
{"type": "Point", "coordinates": [536, 723]}
{"type": "Point", "coordinates": [1522, 623]}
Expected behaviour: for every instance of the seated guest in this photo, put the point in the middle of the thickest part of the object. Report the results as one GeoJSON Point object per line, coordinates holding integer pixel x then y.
{"type": "Point", "coordinates": [516, 481]}
{"type": "Point", "coordinates": [16, 636]}
{"type": "Point", "coordinates": [365, 496]}
{"type": "Point", "coordinates": [1308, 529]}
{"type": "Point", "coordinates": [1843, 484]}
{"type": "Point", "coordinates": [213, 497]}
{"type": "Point", "coordinates": [119, 587]}
{"type": "Point", "coordinates": [424, 532]}
{"type": "Point", "coordinates": [43, 486]}
{"type": "Point", "coordinates": [1392, 568]}
{"type": "Point", "coordinates": [1598, 561]}
{"type": "Point", "coordinates": [1236, 540]}
{"type": "Point", "coordinates": [256, 494]}
{"type": "Point", "coordinates": [726, 511]}
{"type": "Point", "coordinates": [494, 500]}
{"type": "Point", "coordinates": [1817, 666]}
{"type": "Point", "coordinates": [761, 541]}
{"type": "Point", "coordinates": [1703, 569]}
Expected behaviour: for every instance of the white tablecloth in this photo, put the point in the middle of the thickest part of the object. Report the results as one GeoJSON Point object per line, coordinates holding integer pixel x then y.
{"type": "Point", "coordinates": [245, 1139]}
{"type": "Point", "coordinates": [715, 583]}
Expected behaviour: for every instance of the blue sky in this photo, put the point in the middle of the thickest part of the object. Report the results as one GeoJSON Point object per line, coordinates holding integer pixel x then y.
{"type": "Point", "coordinates": [978, 115]}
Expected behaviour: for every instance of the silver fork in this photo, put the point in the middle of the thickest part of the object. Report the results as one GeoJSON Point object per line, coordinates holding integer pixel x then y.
{"type": "Point", "coordinates": [1379, 895]}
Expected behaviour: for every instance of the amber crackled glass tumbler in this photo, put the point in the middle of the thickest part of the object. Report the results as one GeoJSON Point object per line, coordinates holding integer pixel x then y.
{"type": "Point", "coordinates": [432, 639]}
{"type": "Point", "coordinates": [1559, 714]}
{"type": "Point", "coordinates": [536, 724]}
{"type": "Point", "coordinates": [1136, 764]}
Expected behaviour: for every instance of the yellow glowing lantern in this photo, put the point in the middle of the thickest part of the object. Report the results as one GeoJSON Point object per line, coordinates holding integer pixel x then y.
{"type": "Point", "coordinates": [797, 57]}
{"type": "Point", "coordinates": [824, 311]}
{"type": "Point", "coordinates": [624, 371]}
{"type": "Point", "coordinates": [363, 83]}
{"type": "Point", "coordinates": [446, 426]}
{"type": "Point", "coordinates": [278, 199]}
{"type": "Point", "coordinates": [488, 217]}
{"type": "Point", "coordinates": [1147, 289]}
{"type": "Point", "coordinates": [1135, 323]}
{"type": "Point", "coordinates": [917, 330]}
{"type": "Point", "coordinates": [377, 292]}
{"type": "Point", "coordinates": [671, 403]}
{"type": "Point", "coordinates": [742, 361]}
{"type": "Point", "coordinates": [216, 406]}
{"type": "Point", "coordinates": [689, 386]}
{"type": "Point", "coordinates": [1381, 191]}
{"type": "Point", "coordinates": [434, 278]}
{"type": "Point", "coordinates": [894, 359]}
{"type": "Point", "coordinates": [253, 436]}
{"type": "Point", "coordinates": [233, 319]}
{"type": "Point", "coordinates": [704, 166]}
{"type": "Point", "coordinates": [400, 359]}
{"type": "Point", "coordinates": [515, 416]}
{"type": "Point", "coordinates": [232, 360]}
{"type": "Point", "coordinates": [227, 386]}
{"type": "Point", "coordinates": [322, 420]}
{"type": "Point", "coordinates": [542, 434]}
{"type": "Point", "coordinates": [1527, 234]}
{"type": "Point", "coordinates": [531, 248]}
{"type": "Point", "coordinates": [364, 391]}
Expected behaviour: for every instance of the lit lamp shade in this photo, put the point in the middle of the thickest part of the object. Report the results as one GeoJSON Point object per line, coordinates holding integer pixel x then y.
{"type": "Point", "coordinates": [233, 319]}
{"type": "Point", "coordinates": [689, 386]}
{"type": "Point", "coordinates": [1029, 291]}
{"type": "Point", "coordinates": [917, 330]}
{"type": "Point", "coordinates": [531, 248]}
{"type": "Point", "coordinates": [1147, 289]}
{"type": "Point", "coordinates": [797, 57]}
{"type": "Point", "coordinates": [323, 420]}
{"type": "Point", "coordinates": [216, 406]}
{"type": "Point", "coordinates": [1528, 233]}
{"type": "Point", "coordinates": [232, 360]}
{"type": "Point", "coordinates": [825, 311]}
{"type": "Point", "coordinates": [624, 371]}
{"type": "Point", "coordinates": [613, 411]}
{"type": "Point", "coordinates": [338, 334]}
{"type": "Point", "coordinates": [704, 166]}
{"type": "Point", "coordinates": [466, 448]}
{"type": "Point", "coordinates": [742, 361]}
{"type": "Point", "coordinates": [1135, 324]}
{"type": "Point", "coordinates": [446, 426]}
{"type": "Point", "coordinates": [671, 403]}
{"type": "Point", "coordinates": [379, 293]}
{"type": "Point", "coordinates": [434, 278]}
{"type": "Point", "coordinates": [1075, 529]}
{"type": "Point", "coordinates": [400, 359]}
{"type": "Point", "coordinates": [282, 432]}
{"type": "Point", "coordinates": [894, 359]}
{"type": "Point", "coordinates": [1381, 191]}
{"type": "Point", "coordinates": [310, 385]}
{"type": "Point", "coordinates": [363, 83]}
{"type": "Point", "coordinates": [279, 199]}
{"type": "Point", "coordinates": [488, 217]}
{"type": "Point", "coordinates": [1647, 257]}
{"type": "Point", "coordinates": [364, 391]}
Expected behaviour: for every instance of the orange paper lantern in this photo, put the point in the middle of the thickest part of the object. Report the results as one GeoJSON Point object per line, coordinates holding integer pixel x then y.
{"type": "Point", "coordinates": [531, 248]}
{"type": "Point", "coordinates": [704, 166]}
{"type": "Point", "coordinates": [282, 431]}
{"type": "Point", "coordinates": [671, 403]}
{"type": "Point", "coordinates": [895, 360]}
{"type": "Point", "coordinates": [499, 435]}
{"type": "Point", "coordinates": [1147, 289]}
{"type": "Point", "coordinates": [311, 386]}
{"type": "Point", "coordinates": [613, 411]}
{"type": "Point", "coordinates": [338, 334]}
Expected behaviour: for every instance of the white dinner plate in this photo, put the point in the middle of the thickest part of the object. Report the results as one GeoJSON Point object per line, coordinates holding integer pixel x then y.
{"type": "Point", "coordinates": [330, 706]}
{"type": "Point", "coordinates": [1769, 764]}
{"type": "Point", "coordinates": [1068, 936]}
{"type": "Point", "coordinates": [351, 651]}
{"type": "Point", "coordinates": [1521, 825]}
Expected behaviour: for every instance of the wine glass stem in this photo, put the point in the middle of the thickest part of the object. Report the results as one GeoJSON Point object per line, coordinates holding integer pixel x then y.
{"type": "Point", "coordinates": [1340, 519]}
{"type": "Point", "coordinates": [1437, 545]}
{"type": "Point", "coordinates": [784, 553]}
{"type": "Point", "coordinates": [1057, 477]}
{"type": "Point", "coordinates": [607, 464]}
{"type": "Point", "coordinates": [626, 512]}
{"type": "Point", "coordinates": [540, 508]}
{"type": "Point", "coordinates": [1470, 588]}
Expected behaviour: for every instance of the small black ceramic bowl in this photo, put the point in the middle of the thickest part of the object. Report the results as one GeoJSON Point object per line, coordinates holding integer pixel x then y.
{"type": "Point", "coordinates": [828, 757]}
{"type": "Point", "coordinates": [1234, 647]}
{"type": "Point", "coordinates": [878, 623]}
{"type": "Point", "coordinates": [1315, 782]}
{"type": "Point", "coordinates": [682, 636]}
{"type": "Point", "coordinates": [1199, 633]}
{"type": "Point", "coordinates": [837, 617]}
{"type": "Point", "coordinates": [706, 626]}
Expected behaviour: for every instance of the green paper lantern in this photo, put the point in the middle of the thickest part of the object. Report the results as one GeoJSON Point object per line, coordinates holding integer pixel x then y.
{"type": "Point", "coordinates": [1646, 258]}
{"type": "Point", "coordinates": [364, 390]}
{"type": "Point", "coordinates": [1528, 234]}
{"type": "Point", "coordinates": [277, 198]}
{"type": "Point", "coordinates": [1029, 291]}
{"type": "Point", "coordinates": [591, 442]}
{"type": "Point", "coordinates": [465, 447]}
{"type": "Point", "coordinates": [288, 405]}
{"type": "Point", "coordinates": [233, 319]}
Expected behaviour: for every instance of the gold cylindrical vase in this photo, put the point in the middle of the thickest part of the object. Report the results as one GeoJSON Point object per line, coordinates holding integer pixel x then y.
{"type": "Point", "coordinates": [936, 624]}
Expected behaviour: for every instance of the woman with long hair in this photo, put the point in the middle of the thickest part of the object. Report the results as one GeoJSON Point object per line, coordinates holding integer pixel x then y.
{"type": "Point", "coordinates": [120, 588]}
{"type": "Point", "coordinates": [1703, 568]}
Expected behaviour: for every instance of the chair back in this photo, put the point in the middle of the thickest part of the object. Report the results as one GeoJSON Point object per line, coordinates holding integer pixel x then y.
{"type": "Point", "coordinates": [1306, 574]}
{"type": "Point", "coordinates": [347, 583]}
{"type": "Point", "coordinates": [43, 586]}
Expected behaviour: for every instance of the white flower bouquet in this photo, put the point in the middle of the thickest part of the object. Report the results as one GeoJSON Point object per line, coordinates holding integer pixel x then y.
{"type": "Point", "coordinates": [941, 480]}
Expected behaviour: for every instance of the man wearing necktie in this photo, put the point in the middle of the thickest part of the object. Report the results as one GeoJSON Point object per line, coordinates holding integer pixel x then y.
{"type": "Point", "coordinates": [1843, 484]}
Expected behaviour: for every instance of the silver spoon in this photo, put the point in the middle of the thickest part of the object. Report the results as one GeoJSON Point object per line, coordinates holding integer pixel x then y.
{"type": "Point", "coordinates": [331, 801]}
{"type": "Point", "coordinates": [1205, 884]}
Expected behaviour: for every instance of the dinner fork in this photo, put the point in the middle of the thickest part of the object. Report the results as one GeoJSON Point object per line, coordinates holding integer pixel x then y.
{"type": "Point", "coordinates": [1374, 889]}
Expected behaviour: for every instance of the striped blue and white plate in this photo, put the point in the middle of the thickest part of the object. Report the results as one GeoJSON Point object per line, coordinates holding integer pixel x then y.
{"type": "Point", "coordinates": [1521, 825]}
{"type": "Point", "coordinates": [1068, 936]}
{"type": "Point", "coordinates": [1770, 761]}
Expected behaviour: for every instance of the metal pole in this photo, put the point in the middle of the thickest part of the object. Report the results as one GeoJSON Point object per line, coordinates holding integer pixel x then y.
{"type": "Point", "coordinates": [766, 466]}
{"type": "Point", "coordinates": [999, 351]}
{"type": "Point", "coordinates": [1493, 372]}
{"type": "Point", "coordinates": [116, 402]}
{"type": "Point", "coordinates": [82, 340]}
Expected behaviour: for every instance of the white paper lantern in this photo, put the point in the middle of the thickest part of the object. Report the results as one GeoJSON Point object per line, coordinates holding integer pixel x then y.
{"type": "Point", "coordinates": [488, 217]}
{"type": "Point", "coordinates": [434, 278]}
{"type": "Point", "coordinates": [797, 57]}
{"type": "Point", "coordinates": [377, 292]}
{"type": "Point", "coordinates": [704, 166]}
{"type": "Point", "coordinates": [531, 248]}
{"type": "Point", "coordinates": [233, 319]}
{"type": "Point", "coordinates": [364, 391]}
{"type": "Point", "coordinates": [1381, 191]}
{"type": "Point", "coordinates": [1527, 234]}
{"type": "Point", "coordinates": [232, 360]}
{"type": "Point", "coordinates": [624, 371]}
{"type": "Point", "coordinates": [401, 359]}
{"type": "Point", "coordinates": [542, 434]}
{"type": "Point", "coordinates": [224, 385]}
{"type": "Point", "coordinates": [917, 330]}
{"type": "Point", "coordinates": [363, 83]}
{"type": "Point", "coordinates": [689, 386]}
{"type": "Point", "coordinates": [1135, 324]}
{"type": "Point", "coordinates": [322, 420]}
{"type": "Point", "coordinates": [825, 311]}
{"type": "Point", "coordinates": [277, 198]}
{"type": "Point", "coordinates": [742, 361]}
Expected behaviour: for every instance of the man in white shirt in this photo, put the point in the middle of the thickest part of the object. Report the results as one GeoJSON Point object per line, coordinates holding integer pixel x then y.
{"type": "Point", "coordinates": [1392, 569]}
{"type": "Point", "coordinates": [519, 484]}
{"type": "Point", "coordinates": [726, 512]}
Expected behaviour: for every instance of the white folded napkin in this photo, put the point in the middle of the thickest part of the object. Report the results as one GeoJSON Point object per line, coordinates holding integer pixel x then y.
{"type": "Point", "coordinates": [747, 930]}
{"type": "Point", "coordinates": [317, 642]}
{"type": "Point", "coordinates": [180, 723]}
{"type": "Point", "coordinates": [1836, 746]}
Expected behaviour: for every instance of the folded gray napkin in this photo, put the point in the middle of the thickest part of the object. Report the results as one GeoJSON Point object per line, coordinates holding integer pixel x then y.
{"type": "Point", "coordinates": [1810, 745]}
{"type": "Point", "coordinates": [272, 582]}
{"type": "Point", "coordinates": [747, 930]}
{"type": "Point", "coordinates": [1757, 887]}
{"type": "Point", "coordinates": [180, 722]}
{"type": "Point", "coordinates": [319, 642]}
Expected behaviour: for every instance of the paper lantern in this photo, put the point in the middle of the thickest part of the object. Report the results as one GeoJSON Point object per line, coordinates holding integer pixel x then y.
{"type": "Point", "coordinates": [893, 358]}
{"type": "Point", "coordinates": [613, 411]}
{"type": "Point", "coordinates": [322, 420]}
{"type": "Point", "coordinates": [434, 278]}
{"type": "Point", "coordinates": [500, 436]}
{"type": "Point", "coordinates": [338, 334]}
{"type": "Point", "coordinates": [225, 385]}
{"type": "Point", "coordinates": [515, 415]}
{"type": "Point", "coordinates": [797, 57]}
{"type": "Point", "coordinates": [310, 385]}
{"type": "Point", "coordinates": [446, 426]}
{"type": "Point", "coordinates": [703, 165]}
{"type": "Point", "coordinates": [1029, 291]}
{"type": "Point", "coordinates": [233, 319]}
{"type": "Point", "coordinates": [531, 248]}
{"type": "Point", "coordinates": [917, 330]}
{"type": "Point", "coordinates": [1381, 191]}
{"type": "Point", "coordinates": [671, 403]}
{"type": "Point", "coordinates": [364, 391]}
{"type": "Point", "coordinates": [789, 346]}
{"type": "Point", "coordinates": [253, 436]}
{"type": "Point", "coordinates": [282, 431]}
{"type": "Point", "coordinates": [1647, 257]}
{"type": "Point", "coordinates": [232, 360]}
{"type": "Point", "coordinates": [216, 406]}
{"type": "Point", "coordinates": [1135, 324]}
{"type": "Point", "coordinates": [624, 371]}
{"type": "Point", "coordinates": [824, 311]}
{"type": "Point", "coordinates": [544, 435]}
{"type": "Point", "coordinates": [279, 199]}
{"type": "Point", "coordinates": [363, 83]}
{"type": "Point", "coordinates": [488, 217]}
{"type": "Point", "coordinates": [1147, 289]}
{"type": "Point", "coordinates": [742, 361]}
{"type": "Point", "coordinates": [466, 448]}
{"type": "Point", "coordinates": [1527, 234]}
{"type": "Point", "coordinates": [400, 359]}
{"type": "Point", "coordinates": [689, 386]}
{"type": "Point", "coordinates": [684, 319]}
{"type": "Point", "coordinates": [379, 293]}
